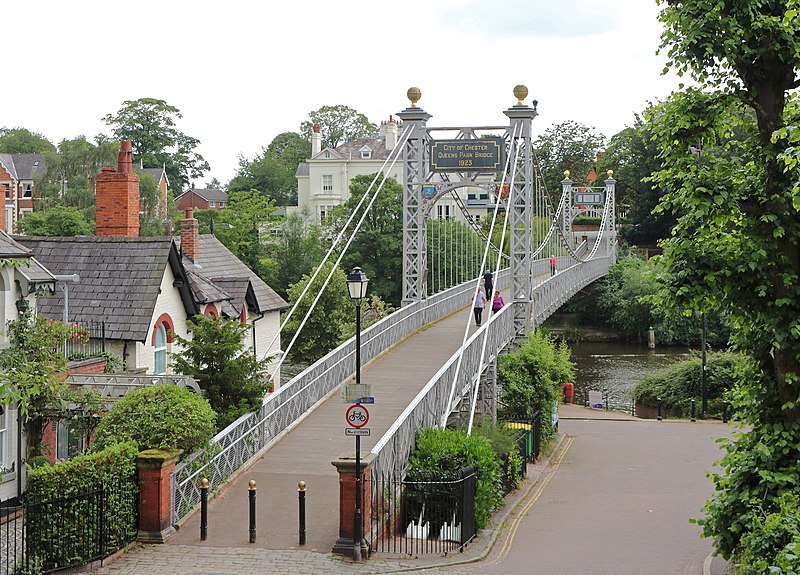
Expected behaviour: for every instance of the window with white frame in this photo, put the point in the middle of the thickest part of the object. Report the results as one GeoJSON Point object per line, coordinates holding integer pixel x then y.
{"type": "Point", "coordinates": [69, 439]}
{"type": "Point", "coordinates": [325, 213]}
{"type": "Point", "coordinates": [366, 153]}
{"type": "Point", "coordinates": [443, 211]}
{"type": "Point", "coordinates": [27, 190]}
{"type": "Point", "coordinates": [212, 203]}
{"type": "Point", "coordinates": [160, 351]}
{"type": "Point", "coordinates": [327, 183]}
{"type": "Point", "coordinates": [3, 436]}
{"type": "Point", "coordinates": [9, 218]}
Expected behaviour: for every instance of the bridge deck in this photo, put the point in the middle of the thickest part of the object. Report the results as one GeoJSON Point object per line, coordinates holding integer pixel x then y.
{"type": "Point", "coordinates": [305, 454]}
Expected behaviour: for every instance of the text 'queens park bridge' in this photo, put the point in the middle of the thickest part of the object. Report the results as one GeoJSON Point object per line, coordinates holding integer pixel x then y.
{"type": "Point", "coordinates": [417, 377]}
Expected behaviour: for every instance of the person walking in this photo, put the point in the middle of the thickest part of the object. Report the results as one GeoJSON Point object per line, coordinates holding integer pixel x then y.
{"type": "Point", "coordinates": [478, 305]}
{"type": "Point", "coordinates": [553, 262]}
{"type": "Point", "coordinates": [488, 283]}
{"type": "Point", "coordinates": [497, 302]}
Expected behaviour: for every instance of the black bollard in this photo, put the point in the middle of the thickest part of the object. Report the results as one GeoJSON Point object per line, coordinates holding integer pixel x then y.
{"type": "Point", "coordinates": [203, 509]}
{"type": "Point", "coordinates": [606, 398]}
{"type": "Point", "coordinates": [301, 500]}
{"type": "Point", "coordinates": [725, 412]}
{"type": "Point", "coordinates": [693, 418]}
{"type": "Point", "coordinates": [252, 490]}
{"type": "Point", "coordinates": [659, 409]}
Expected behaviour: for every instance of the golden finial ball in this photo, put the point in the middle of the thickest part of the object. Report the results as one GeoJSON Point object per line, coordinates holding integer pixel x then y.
{"type": "Point", "coordinates": [301, 486]}
{"type": "Point", "coordinates": [610, 173]}
{"type": "Point", "coordinates": [566, 174]}
{"type": "Point", "coordinates": [520, 93]}
{"type": "Point", "coordinates": [204, 483]}
{"type": "Point", "coordinates": [252, 484]}
{"type": "Point", "coordinates": [414, 94]}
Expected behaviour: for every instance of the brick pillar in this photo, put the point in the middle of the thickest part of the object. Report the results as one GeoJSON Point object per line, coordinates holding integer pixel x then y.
{"type": "Point", "coordinates": [155, 504]}
{"type": "Point", "coordinates": [346, 466]}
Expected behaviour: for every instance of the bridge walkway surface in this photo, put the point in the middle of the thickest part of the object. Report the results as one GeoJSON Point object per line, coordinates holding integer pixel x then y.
{"type": "Point", "coordinates": [306, 452]}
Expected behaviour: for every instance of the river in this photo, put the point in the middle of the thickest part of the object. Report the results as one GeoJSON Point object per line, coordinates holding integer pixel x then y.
{"type": "Point", "coordinates": [615, 367]}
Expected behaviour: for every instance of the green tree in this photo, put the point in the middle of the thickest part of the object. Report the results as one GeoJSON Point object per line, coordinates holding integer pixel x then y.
{"type": "Point", "coordinates": [325, 326]}
{"type": "Point", "coordinates": [338, 124]}
{"type": "Point", "coordinates": [269, 173]}
{"type": "Point", "coordinates": [633, 155]}
{"type": "Point", "coordinates": [378, 247]}
{"type": "Point", "coordinates": [151, 126]}
{"type": "Point", "coordinates": [150, 222]}
{"type": "Point", "coordinates": [23, 141]}
{"type": "Point", "coordinates": [29, 372]}
{"type": "Point", "coordinates": [567, 146]}
{"type": "Point", "coordinates": [735, 242]}
{"type": "Point", "coordinates": [234, 380]}
{"type": "Point", "coordinates": [297, 251]}
{"type": "Point", "coordinates": [57, 221]}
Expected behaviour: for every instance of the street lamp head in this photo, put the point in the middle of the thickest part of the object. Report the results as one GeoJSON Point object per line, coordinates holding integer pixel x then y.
{"type": "Point", "coordinates": [357, 285]}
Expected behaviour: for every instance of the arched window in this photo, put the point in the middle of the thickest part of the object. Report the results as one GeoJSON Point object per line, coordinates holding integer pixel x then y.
{"type": "Point", "coordinates": [160, 350]}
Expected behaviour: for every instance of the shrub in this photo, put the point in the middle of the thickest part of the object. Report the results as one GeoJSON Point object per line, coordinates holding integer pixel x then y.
{"type": "Point", "coordinates": [504, 442]}
{"type": "Point", "coordinates": [38, 461]}
{"type": "Point", "coordinates": [445, 451]}
{"type": "Point", "coordinates": [679, 383]}
{"type": "Point", "coordinates": [774, 540]}
{"type": "Point", "coordinates": [531, 377]}
{"type": "Point", "coordinates": [114, 469]}
{"type": "Point", "coordinates": [158, 417]}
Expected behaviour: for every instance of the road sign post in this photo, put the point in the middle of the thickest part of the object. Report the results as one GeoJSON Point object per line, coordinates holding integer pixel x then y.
{"type": "Point", "coordinates": [357, 417]}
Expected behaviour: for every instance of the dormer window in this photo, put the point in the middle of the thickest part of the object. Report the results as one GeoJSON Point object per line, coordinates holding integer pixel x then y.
{"type": "Point", "coordinates": [366, 153]}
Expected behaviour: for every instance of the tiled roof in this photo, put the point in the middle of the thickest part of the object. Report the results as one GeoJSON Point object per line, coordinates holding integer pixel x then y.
{"type": "Point", "coordinates": [8, 162]}
{"type": "Point", "coordinates": [352, 150]}
{"type": "Point", "coordinates": [208, 194]}
{"type": "Point", "coordinates": [155, 172]}
{"type": "Point", "coordinates": [29, 165]}
{"type": "Point", "coordinates": [218, 264]}
{"type": "Point", "coordinates": [9, 248]}
{"type": "Point", "coordinates": [302, 169]}
{"type": "Point", "coordinates": [119, 279]}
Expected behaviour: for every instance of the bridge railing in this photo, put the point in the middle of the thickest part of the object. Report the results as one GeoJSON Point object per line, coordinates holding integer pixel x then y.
{"type": "Point", "coordinates": [393, 449]}
{"type": "Point", "coordinates": [249, 435]}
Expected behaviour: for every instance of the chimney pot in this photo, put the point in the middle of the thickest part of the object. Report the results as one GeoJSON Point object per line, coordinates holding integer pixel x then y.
{"type": "Point", "coordinates": [317, 128]}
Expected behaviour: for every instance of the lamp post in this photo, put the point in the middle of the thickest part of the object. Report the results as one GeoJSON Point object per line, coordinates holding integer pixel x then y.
{"type": "Point", "coordinates": [698, 151]}
{"type": "Point", "coordinates": [357, 286]}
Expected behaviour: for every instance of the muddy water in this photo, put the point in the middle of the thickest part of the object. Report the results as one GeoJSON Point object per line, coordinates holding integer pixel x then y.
{"type": "Point", "coordinates": [615, 367]}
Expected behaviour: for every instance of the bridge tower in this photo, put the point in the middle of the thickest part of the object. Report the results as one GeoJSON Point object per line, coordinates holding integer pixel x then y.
{"type": "Point", "coordinates": [428, 176]}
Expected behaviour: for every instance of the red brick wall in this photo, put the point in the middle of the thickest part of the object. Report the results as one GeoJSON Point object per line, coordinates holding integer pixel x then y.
{"type": "Point", "coordinates": [191, 200]}
{"type": "Point", "coordinates": [117, 204]}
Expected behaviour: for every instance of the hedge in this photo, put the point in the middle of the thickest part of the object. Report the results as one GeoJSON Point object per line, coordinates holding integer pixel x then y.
{"type": "Point", "coordinates": [61, 534]}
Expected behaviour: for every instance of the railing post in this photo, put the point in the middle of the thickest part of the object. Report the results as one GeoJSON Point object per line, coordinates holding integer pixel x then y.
{"type": "Point", "coordinates": [659, 409]}
{"type": "Point", "coordinates": [301, 500]}
{"type": "Point", "coordinates": [252, 493]}
{"type": "Point", "coordinates": [203, 509]}
{"type": "Point", "coordinates": [725, 412]}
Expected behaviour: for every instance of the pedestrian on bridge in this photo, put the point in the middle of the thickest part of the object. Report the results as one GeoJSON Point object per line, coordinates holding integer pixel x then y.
{"type": "Point", "coordinates": [497, 302]}
{"type": "Point", "coordinates": [477, 307]}
{"type": "Point", "coordinates": [488, 283]}
{"type": "Point", "coordinates": [553, 263]}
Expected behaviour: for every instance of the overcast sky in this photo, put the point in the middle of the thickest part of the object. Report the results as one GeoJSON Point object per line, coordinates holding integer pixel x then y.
{"type": "Point", "coordinates": [243, 72]}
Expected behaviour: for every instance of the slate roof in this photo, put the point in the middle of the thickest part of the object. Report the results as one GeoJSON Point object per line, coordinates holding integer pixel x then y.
{"type": "Point", "coordinates": [10, 248]}
{"type": "Point", "coordinates": [119, 279]}
{"type": "Point", "coordinates": [208, 194]}
{"type": "Point", "coordinates": [217, 264]}
{"type": "Point", "coordinates": [302, 169]}
{"type": "Point", "coordinates": [24, 166]}
{"type": "Point", "coordinates": [155, 172]}
{"type": "Point", "coordinates": [352, 150]}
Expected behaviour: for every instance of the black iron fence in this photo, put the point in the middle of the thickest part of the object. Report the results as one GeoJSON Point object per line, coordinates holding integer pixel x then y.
{"type": "Point", "coordinates": [422, 514]}
{"type": "Point", "coordinates": [85, 339]}
{"type": "Point", "coordinates": [61, 533]}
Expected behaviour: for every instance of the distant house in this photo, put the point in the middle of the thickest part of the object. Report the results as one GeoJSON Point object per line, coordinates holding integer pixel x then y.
{"type": "Point", "coordinates": [21, 278]}
{"type": "Point", "coordinates": [161, 179]}
{"type": "Point", "coordinates": [17, 172]}
{"type": "Point", "coordinates": [146, 290]}
{"type": "Point", "coordinates": [197, 199]}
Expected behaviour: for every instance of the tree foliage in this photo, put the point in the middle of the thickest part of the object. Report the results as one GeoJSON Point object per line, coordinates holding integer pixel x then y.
{"type": "Point", "coordinates": [298, 249]}
{"type": "Point", "coordinates": [567, 146]}
{"type": "Point", "coordinates": [326, 325]}
{"type": "Point", "coordinates": [29, 372]}
{"type": "Point", "coordinates": [57, 221]}
{"type": "Point", "coordinates": [338, 124]}
{"type": "Point", "coordinates": [151, 126]}
{"type": "Point", "coordinates": [234, 380]}
{"type": "Point", "coordinates": [272, 172]}
{"type": "Point", "coordinates": [23, 141]}
{"type": "Point", "coordinates": [735, 244]}
{"type": "Point", "coordinates": [378, 247]}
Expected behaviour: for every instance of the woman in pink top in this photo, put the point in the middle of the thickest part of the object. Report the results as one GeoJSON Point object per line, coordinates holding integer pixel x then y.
{"type": "Point", "coordinates": [497, 302]}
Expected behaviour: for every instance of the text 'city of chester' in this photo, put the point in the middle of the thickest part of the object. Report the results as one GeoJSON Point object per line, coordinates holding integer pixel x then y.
{"type": "Point", "coordinates": [484, 155]}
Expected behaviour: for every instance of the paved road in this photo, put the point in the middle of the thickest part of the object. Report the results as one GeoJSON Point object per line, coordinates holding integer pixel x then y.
{"type": "Point", "coordinates": [616, 498]}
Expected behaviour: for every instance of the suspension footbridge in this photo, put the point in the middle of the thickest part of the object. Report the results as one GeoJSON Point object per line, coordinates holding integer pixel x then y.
{"type": "Point", "coordinates": [427, 362]}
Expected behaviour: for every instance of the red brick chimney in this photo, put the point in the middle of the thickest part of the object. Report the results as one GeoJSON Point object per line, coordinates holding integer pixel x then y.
{"type": "Point", "coordinates": [190, 236]}
{"type": "Point", "coordinates": [117, 194]}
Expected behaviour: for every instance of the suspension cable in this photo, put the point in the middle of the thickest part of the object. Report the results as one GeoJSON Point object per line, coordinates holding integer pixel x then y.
{"type": "Point", "coordinates": [393, 155]}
